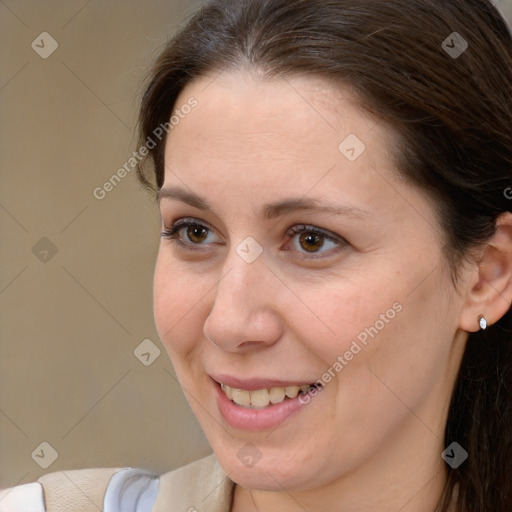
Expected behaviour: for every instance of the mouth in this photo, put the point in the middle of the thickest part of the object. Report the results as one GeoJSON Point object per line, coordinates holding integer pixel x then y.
{"type": "Point", "coordinates": [264, 397]}
{"type": "Point", "coordinates": [257, 404]}
{"type": "Point", "coordinates": [260, 404]}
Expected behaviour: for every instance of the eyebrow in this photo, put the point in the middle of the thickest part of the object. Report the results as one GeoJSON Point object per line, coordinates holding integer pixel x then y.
{"type": "Point", "coordinates": [270, 210]}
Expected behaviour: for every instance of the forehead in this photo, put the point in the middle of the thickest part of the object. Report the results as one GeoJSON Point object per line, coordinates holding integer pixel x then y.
{"type": "Point", "coordinates": [252, 140]}
{"type": "Point", "coordinates": [240, 116]}
{"type": "Point", "coordinates": [250, 143]}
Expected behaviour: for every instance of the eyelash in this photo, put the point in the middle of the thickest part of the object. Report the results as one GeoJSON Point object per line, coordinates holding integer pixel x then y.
{"type": "Point", "coordinates": [172, 235]}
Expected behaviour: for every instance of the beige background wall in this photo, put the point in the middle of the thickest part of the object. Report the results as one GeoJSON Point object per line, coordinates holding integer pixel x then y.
{"type": "Point", "coordinates": [69, 326]}
{"type": "Point", "coordinates": [76, 271]}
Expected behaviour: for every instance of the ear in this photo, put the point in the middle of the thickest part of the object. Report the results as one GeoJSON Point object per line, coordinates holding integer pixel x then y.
{"type": "Point", "coordinates": [490, 290]}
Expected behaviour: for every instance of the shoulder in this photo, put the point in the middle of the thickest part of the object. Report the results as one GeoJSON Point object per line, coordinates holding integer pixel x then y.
{"type": "Point", "coordinates": [202, 482]}
{"type": "Point", "coordinates": [27, 497]}
{"type": "Point", "coordinates": [82, 489]}
{"type": "Point", "coordinates": [201, 485]}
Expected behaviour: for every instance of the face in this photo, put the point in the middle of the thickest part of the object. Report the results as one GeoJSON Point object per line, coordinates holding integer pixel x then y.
{"type": "Point", "coordinates": [355, 299]}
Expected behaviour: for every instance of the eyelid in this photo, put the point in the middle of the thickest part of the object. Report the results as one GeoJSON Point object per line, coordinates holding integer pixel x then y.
{"type": "Point", "coordinates": [299, 228]}
{"type": "Point", "coordinates": [328, 235]}
{"type": "Point", "coordinates": [171, 233]}
{"type": "Point", "coordinates": [177, 225]}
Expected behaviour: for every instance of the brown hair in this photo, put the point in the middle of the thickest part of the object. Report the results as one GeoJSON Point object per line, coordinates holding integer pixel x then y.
{"type": "Point", "coordinates": [453, 118]}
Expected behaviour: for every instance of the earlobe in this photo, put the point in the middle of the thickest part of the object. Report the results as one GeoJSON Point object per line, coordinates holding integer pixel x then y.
{"type": "Point", "coordinates": [490, 297]}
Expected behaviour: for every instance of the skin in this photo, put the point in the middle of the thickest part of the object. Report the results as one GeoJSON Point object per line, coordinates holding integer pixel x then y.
{"type": "Point", "coordinates": [372, 439]}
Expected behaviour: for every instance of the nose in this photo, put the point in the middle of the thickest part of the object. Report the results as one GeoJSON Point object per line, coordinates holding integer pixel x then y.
{"type": "Point", "coordinates": [244, 315]}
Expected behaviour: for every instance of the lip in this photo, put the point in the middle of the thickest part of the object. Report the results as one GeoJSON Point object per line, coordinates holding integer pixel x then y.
{"type": "Point", "coordinates": [255, 383]}
{"type": "Point", "coordinates": [255, 419]}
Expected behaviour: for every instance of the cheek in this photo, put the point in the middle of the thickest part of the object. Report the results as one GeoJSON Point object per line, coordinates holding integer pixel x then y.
{"type": "Point", "coordinates": [380, 324]}
{"type": "Point", "coordinates": [345, 318]}
{"type": "Point", "coordinates": [405, 345]}
{"type": "Point", "coordinates": [176, 301]}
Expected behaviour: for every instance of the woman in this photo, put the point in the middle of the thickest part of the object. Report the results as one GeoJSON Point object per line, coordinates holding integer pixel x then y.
{"type": "Point", "coordinates": [334, 280]}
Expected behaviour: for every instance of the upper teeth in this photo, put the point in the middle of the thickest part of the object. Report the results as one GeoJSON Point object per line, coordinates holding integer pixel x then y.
{"type": "Point", "coordinates": [262, 397]}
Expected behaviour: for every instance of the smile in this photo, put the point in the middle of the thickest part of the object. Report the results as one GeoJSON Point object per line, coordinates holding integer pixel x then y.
{"type": "Point", "coordinates": [261, 398]}
{"type": "Point", "coordinates": [258, 404]}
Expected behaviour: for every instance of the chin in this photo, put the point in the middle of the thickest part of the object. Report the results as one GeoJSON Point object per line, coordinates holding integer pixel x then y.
{"type": "Point", "coordinates": [262, 478]}
{"type": "Point", "coordinates": [272, 474]}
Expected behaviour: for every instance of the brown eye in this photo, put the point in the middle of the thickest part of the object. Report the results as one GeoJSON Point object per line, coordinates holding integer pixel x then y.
{"type": "Point", "coordinates": [311, 241]}
{"type": "Point", "coordinates": [196, 233]}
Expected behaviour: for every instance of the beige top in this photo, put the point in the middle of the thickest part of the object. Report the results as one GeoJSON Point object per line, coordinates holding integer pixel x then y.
{"type": "Point", "coordinates": [201, 486]}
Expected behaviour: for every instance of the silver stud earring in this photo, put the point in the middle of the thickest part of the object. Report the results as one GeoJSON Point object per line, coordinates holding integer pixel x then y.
{"type": "Point", "coordinates": [482, 322]}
